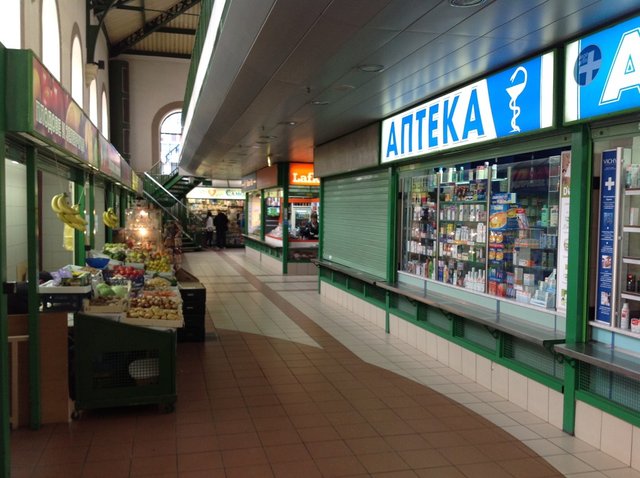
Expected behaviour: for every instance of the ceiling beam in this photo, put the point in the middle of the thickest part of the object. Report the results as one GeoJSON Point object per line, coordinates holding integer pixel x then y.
{"type": "Point", "coordinates": [177, 31]}
{"type": "Point", "coordinates": [101, 7]}
{"type": "Point", "coordinates": [153, 25]}
{"type": "Point", "coordinates": [163, 54]}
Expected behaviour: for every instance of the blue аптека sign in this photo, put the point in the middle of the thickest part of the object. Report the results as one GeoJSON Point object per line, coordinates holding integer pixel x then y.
{"type": "Point", "coordinates": [603, 72]}
{"type": "Point", "coordinates": [514, 101]}
{"type": "Point", "coordinates": [607, 236]}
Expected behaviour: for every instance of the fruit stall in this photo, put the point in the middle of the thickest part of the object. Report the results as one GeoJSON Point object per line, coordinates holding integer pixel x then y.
{"type": "Point", "coordinates": [127, 308]}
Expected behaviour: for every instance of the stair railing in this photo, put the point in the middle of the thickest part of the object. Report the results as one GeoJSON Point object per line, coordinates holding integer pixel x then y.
{"type": "Point", "coordinates": [170, 214]}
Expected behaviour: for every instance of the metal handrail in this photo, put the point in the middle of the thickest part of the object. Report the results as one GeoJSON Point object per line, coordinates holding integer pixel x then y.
{"type": "Point", "coordinates": [169, 213]}
{"type": "Point", "coordinates": [167, 192]}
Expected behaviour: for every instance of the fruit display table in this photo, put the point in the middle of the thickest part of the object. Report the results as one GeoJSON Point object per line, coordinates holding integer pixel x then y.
{"type": "Point", "coordinates": [118, 364]}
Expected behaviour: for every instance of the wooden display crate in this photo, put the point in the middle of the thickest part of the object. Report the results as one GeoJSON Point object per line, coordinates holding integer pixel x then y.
{"type": "Point", "coordinates": [113, 308]}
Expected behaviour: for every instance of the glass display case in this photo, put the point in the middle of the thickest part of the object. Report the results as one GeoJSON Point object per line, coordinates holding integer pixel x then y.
{"type": "Point", "coordinates": [420, 225]}
{"type": "Point", "coordinates": [462, 231]}
{"type": "Point", "coordinates": [254, 220]}
{"type": "Point", "coordinates": [273, 210]}
{"type": "Point", "coordinates": [487, 228]}
{"type": "Point", "coordinates": [629, 277]}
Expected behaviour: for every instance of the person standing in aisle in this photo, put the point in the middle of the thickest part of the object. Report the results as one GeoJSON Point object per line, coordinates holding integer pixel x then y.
{"type": "Point", "coordinates": [221, 222]}
{"type": "Point", "coordinates": [209, 229]}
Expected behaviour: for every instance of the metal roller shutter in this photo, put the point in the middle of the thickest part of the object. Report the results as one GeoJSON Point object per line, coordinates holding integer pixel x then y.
{"type": "Point", "coordinates": [355, 212]}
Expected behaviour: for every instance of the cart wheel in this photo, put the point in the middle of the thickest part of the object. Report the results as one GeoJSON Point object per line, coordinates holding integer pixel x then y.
{"type": "Point", "coordinates": [75, 415]}
{"type": "Point", "coordinates": [168, 407]}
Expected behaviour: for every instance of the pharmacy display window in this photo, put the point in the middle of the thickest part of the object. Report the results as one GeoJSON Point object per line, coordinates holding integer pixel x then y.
{"type": "Point", "coordinates": [254, 209]}
{"type": "Point", "coordinates": [490, 227]}
{"type": "Point", "coordinates": [615, 268]}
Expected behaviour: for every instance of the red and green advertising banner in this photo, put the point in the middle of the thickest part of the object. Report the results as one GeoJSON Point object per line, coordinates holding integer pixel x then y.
{"type": "Point", "coordinates": [110, 159]}
{"type": "Point", "coordinates": [125, 173]}
{"type": "Point", "coordinates": [38, 107]}
{"type": "Point", "coordinates": [137, 184]}
{"type": "Point", "coordinates": [59, 119]}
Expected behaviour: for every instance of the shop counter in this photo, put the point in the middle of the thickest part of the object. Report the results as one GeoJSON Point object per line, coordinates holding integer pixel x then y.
{"type": "Point", "coordinates": [604, 357]}
{"type": "Point", "coordinates": [270, 252]}
{"type": "Point", "coordinates": [492, 319]}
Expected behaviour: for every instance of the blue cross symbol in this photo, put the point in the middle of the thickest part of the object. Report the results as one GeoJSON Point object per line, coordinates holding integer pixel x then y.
{"type": "Point", "coordinates": [587, 65]}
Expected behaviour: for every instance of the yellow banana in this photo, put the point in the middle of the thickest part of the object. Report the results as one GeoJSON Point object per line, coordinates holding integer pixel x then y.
{"type": "Point", "coordinates": [54, 203]}
{"type": "Point", "coordinates": [64, 206]}
{"type": "Point", "coordinates": [107, 220]}
{"type": "Point", "coordinates": [71, 220]}
{"type": "Point", "coordinates": [76, 210]}
{"type": "Point", "coordinates": [112, 219]}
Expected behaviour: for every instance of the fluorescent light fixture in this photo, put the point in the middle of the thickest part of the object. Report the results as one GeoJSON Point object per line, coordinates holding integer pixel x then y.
{"type": "Point", "coordinates": [371, 68]}
{"type": "Point", "coordinates": [466, 3]}
{"type": "Point", "coordinates": [546, 90]}
{"type": "Point", "coordinates": [571, 87]}
{"type": "Point", "coordinates": [203, 65]}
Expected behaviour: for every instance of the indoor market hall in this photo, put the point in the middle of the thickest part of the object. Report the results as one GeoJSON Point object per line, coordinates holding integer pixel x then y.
{"type": "Point", "coordinates": [291, 383]}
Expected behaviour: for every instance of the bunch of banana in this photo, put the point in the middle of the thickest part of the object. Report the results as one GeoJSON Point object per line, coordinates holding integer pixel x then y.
{"type": "Point", "coordinates": [70, 215]}
{"type": "Point", "coordinates": [110, 218]}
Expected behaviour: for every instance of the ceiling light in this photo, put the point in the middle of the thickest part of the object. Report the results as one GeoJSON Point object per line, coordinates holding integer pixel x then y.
{"type": "Point", "coordinates": [466, 3]}
{"type": "Point", "coordinates": [268, 137]}
{"type": "Point", "coordinates": [319, 102]}
{"type": "Point", "coordinates": [344, 87]}
{"type": "Point", "coordinates": [288, 123]}
{"type": "Point", "coordinates": [371, 68]}
{"type": "Point", "coordinates": [268, 160]}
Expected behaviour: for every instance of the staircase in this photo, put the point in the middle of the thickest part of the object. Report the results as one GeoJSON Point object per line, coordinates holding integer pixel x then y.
{"type": "Point", "coordinates": [170, 189]}
{"type": "Point", "coordinates": [169, 192]}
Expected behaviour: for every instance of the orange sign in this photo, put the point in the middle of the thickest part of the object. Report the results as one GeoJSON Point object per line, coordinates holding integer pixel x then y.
{"type": "Point", "coordinates": [301, 174]}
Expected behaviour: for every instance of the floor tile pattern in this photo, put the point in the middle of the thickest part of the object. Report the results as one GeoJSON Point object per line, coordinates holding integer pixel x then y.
{"type": "Point", "coordinates": [288, 384]}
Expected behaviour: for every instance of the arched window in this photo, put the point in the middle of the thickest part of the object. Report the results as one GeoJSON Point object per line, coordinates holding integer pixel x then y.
{"type": "Point", "coordinates": [104, 125]}
{"type": "Point", "coordinates": [170, 136]}
{"type": "Point", "coordinates": [77, 73]}
{"type": "Point", "coordinates": [51, 37]}
{"type": "Point", "coordinates": [10, 24]}
{"type": "Point", "coordinates": [93, 102]}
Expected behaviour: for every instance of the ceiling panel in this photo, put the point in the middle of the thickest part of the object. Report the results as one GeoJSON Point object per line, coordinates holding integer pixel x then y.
{"type": "Point", "coordinates": [426, 46]}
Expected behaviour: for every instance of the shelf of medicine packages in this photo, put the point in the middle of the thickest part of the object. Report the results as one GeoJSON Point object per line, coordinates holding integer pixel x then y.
{"type": "Point", "coordinates": [492, 319]}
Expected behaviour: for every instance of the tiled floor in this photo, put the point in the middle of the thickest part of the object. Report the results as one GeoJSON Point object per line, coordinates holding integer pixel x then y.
{"type": "Point", "coordinates": [288, 384]}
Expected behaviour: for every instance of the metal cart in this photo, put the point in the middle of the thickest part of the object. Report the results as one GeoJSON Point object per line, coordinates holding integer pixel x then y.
{"type": "Point", "coordinates": [119, 364]}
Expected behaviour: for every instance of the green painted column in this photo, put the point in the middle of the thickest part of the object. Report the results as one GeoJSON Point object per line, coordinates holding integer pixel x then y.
{"type": "Point", "coordinates": [124, 204]}
{"type": "Point", "coordinates": [392, 221]}
{"type": "Point", "coordinates": [578, 280]}
{"type": "Point", "coordinates": [32, 291]}
{"type": "Point", "coordinates": [5, 445]}
{"type": "Point", "coordinates": [91, 208]}
{"type": "Point", "coordinates": [80, 197]}
{"type": "Point", "coordinates": [321, 231]}
{"type": "Point", "coordinates": [284, 180]}
{"type": "Point", "coordinates": [263, 214]}
{"type": "Point", "coordinates": [392, 225]}
{"type": "Point", "coordinates": [110, 202]}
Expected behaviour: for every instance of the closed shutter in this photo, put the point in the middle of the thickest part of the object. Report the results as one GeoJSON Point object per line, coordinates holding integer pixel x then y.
{"type": "Point", "coordinates": [354, 212]}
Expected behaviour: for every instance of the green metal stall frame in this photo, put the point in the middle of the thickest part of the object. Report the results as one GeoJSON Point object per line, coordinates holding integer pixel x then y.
{"type": "Point", "coordinates": [5, 445]}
